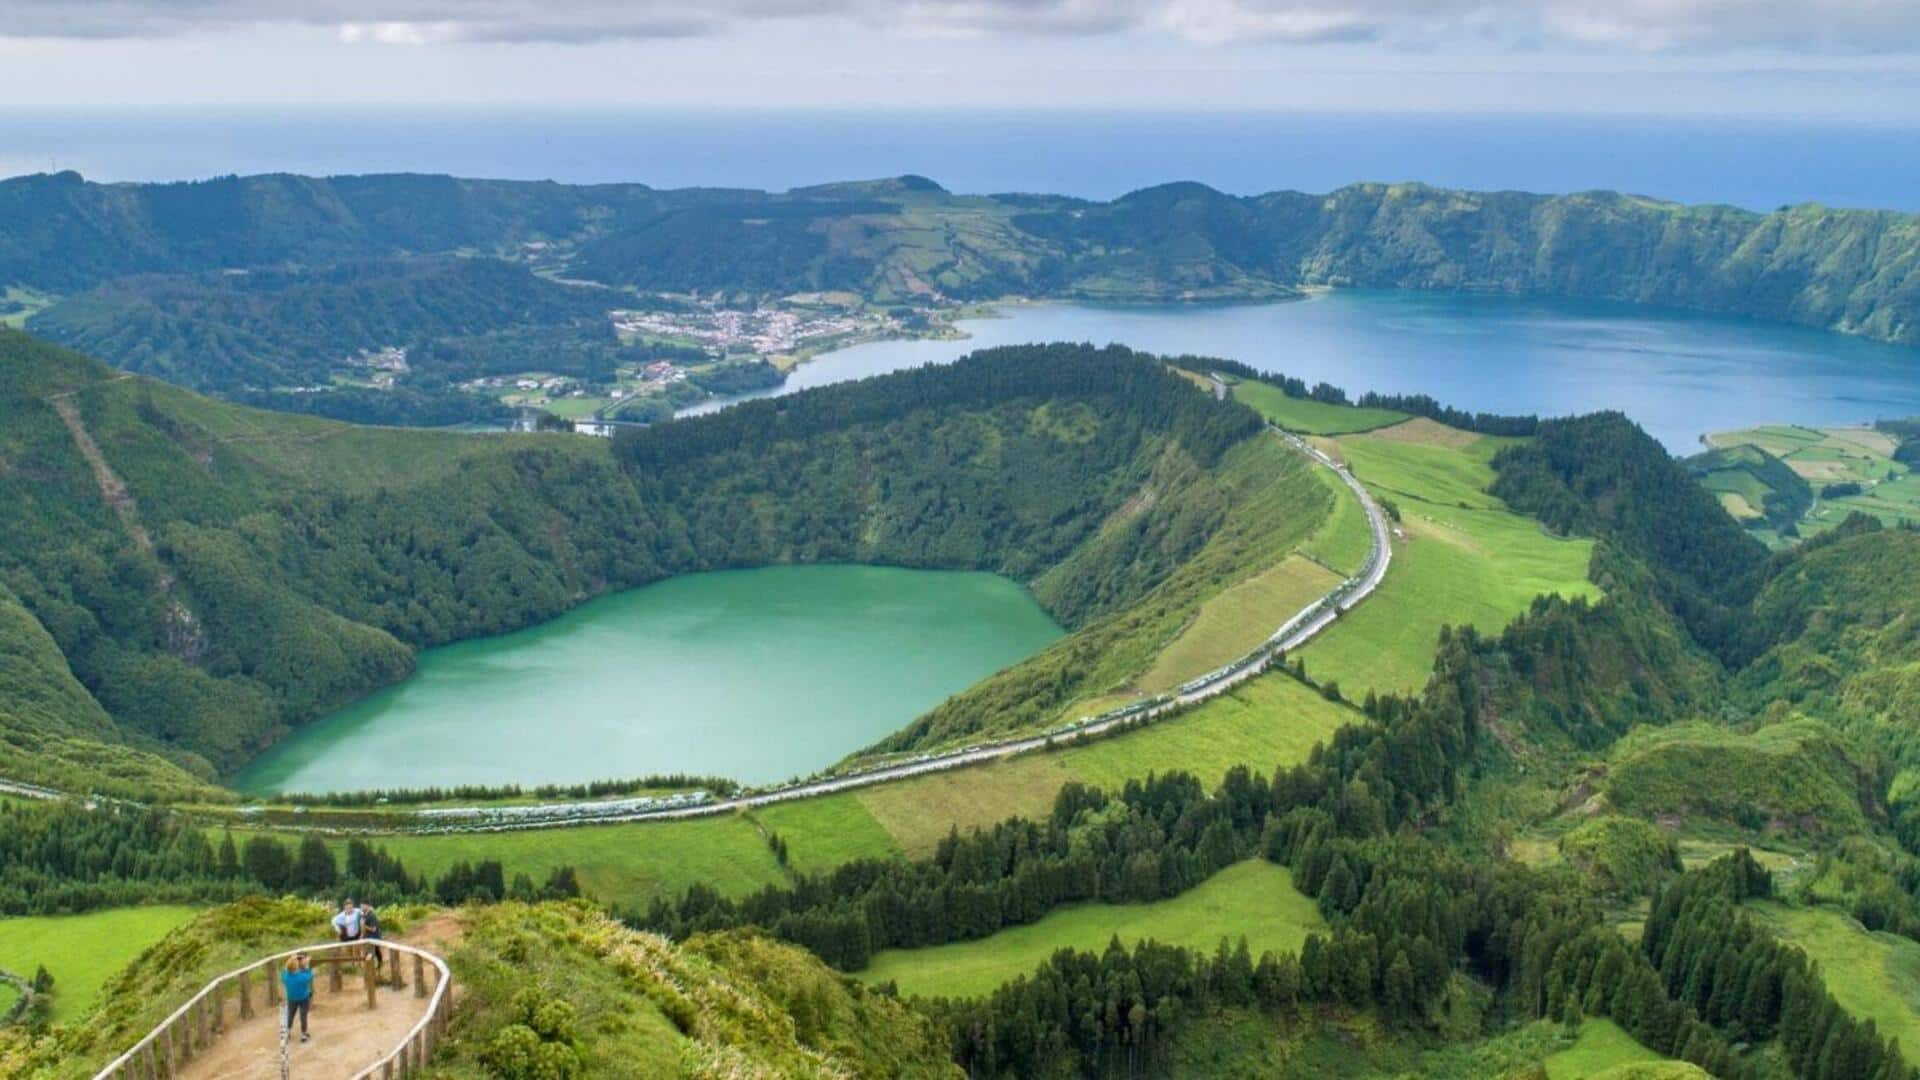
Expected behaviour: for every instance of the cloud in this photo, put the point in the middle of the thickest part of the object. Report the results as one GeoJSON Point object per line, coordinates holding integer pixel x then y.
{"type": "Point", "coordinates": [1831, 26]}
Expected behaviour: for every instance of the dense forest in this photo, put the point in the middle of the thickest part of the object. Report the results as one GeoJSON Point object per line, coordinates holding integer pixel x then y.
{"type": "Point", "coordinates": [245, 573]}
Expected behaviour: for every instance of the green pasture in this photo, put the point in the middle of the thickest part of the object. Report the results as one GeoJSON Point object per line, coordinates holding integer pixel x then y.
{"type": "Point", "coordinates": [83, 951]}
{"type": "Point", "coordinates": [1254, 899]}
{"type": "Point", "coordinates": [823, 832]}
{"type": "Point", "coordinates": [1873, 975]}
{"type": "Point", "coordinates": [1464, 559]}
{"type": "Point", "coordinates": [1309, 416]}
{"type": "Point", "coordinates": [1344, 539]}
{"type": "Point", "coordinates": [1235, 621]}
{"type": "Point", "coordinates": [628, 864]}
{"type": "Point", "coordinates": [1601, 1045]}
{"type": "Point", "coordinates": [1271, 721]}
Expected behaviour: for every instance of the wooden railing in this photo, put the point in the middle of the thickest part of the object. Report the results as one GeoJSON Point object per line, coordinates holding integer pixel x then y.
{"type": "Point", "coordinates": [193, 1027]}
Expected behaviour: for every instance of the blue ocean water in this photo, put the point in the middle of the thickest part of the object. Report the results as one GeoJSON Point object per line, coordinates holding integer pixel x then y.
{"type": "Point", "coordinates": [1759, 164]}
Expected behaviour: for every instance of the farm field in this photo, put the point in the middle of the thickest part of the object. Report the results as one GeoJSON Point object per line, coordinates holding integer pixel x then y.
{"type": "Point", "coordinates": [1889, 491]}
{"type": "Point", "coordinates": [1464, 558]}
{"type": "Point", "coordinates": [1254, 898]}
{"type": "Point", "coordinates": [82, 951]}
{"type": "Point", "coordinates": [1309, 416]}
{"type": "Point", "coordinates": [1874, 976]}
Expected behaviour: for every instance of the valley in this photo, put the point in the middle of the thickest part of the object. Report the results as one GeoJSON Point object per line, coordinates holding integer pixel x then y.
{"type": "Point", "coordinates": [1549, 701]}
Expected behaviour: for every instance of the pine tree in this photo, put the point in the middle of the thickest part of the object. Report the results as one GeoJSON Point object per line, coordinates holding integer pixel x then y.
{"type": "Point", "coordinates": [229, 865]}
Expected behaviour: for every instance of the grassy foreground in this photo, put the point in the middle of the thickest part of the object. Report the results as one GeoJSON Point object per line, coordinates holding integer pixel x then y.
{"type": "Point", "coordinates": [82, 951]}
{"type": "Point", "coordinates": [1254, 899]}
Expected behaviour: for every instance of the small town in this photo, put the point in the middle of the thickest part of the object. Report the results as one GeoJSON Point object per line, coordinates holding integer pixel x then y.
{"type": "Point", "coordinates": [764, 331]}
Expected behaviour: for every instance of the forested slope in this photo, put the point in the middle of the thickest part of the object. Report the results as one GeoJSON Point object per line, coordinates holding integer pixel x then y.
{"type": "Point", "coordinates": [213, 576]}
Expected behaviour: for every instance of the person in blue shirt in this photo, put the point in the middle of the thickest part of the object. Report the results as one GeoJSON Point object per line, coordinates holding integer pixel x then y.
{"type": "Point", "coordinates": [297, 980]}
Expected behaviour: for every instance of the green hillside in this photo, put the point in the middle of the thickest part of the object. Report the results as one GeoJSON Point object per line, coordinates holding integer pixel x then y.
{"type": "Point", "coordinates": [191, 580]}
{"type": "Point", "coordinates": [635, 1004]}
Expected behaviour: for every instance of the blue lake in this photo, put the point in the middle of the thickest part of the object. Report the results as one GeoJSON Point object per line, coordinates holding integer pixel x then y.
{"type": "Point", "coordinates": [1678, 375]}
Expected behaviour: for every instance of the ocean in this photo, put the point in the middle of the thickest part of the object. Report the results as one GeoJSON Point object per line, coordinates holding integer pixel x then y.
{"type": "Point", "coordinates": [1745, 162]}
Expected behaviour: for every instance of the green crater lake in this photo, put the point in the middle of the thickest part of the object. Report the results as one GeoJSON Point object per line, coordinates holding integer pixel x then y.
{"type": "Point", "coordinates": [754, 674]}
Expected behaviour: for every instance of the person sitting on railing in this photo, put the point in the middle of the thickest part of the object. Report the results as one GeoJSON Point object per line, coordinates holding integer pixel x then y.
{"type": "Point", "coordinates": [370, 931]}
{"type": "Point", "coordinates": [297, 979]}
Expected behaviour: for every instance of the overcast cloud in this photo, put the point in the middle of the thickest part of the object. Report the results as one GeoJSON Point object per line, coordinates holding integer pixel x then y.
{"type": "Point", "coordinates": [1864, 26]}
{"type": "Point", "coordinates": [1851, 58]}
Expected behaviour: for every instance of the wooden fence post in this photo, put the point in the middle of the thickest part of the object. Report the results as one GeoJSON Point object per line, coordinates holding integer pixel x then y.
{"type": "Point", "coordinates": [419, 976]}
{"type": "Point", "coordinates": [333, 976]}
{"type": "Point", "coordinates": [367, 976]}
{"type": "Point", "coordinates": [273, 982]}
{"type": "Point", "coordinates": [218, 1000]}
{"type": "Point", "coordinates": [198, 1036]}
{"type": "Point", "coordinates": [152, 1069]}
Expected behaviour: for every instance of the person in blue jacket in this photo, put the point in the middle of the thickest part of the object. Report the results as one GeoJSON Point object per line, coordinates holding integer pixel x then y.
{"type": "Point", "coordinates": [297, 979]}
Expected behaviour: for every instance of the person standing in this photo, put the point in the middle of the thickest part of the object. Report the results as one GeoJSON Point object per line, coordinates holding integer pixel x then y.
{"type": "Point", "coordinates": [297, 981]}
{"type": "Point", "coordinates": [370, 931]}
{"type": "Point", "coordinates": [347, 923]}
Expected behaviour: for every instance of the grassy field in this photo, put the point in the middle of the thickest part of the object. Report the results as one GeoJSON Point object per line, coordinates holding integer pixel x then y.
{"type": "Point", "coordinates": [1343, 541]}
{"type": "Point", "coordinates": [1234, 622]}
{"type": "Point", "coordinates": [1309, 416]}
{"type": "Point", "coordinates": [1464, 558]}
{"type": "Point", "coordinates": [29, 303]}
{"type": "Point", "coordinates": [1254, 898]}
{"type": "Point", "coordinates": [919, 811]}
{"type": "Point", "coordinates": [823, 833]}
{"type": "Point", "coordinates": [1268, 722]}
{"type": "Point", "coordinates": [1601, 1045]}
{"type": "Point", "coordinates": [82, 951]}
{"type": "Point", "coordinates": [1874, 976]}
{"type": "Point", "coordinates": [617, 863]}
{"type": "Point", "coordinates": [1821, 456]}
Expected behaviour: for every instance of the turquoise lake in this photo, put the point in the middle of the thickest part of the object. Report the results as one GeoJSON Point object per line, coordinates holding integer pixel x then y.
{"type": "Point", "coordinates": [753, 674]}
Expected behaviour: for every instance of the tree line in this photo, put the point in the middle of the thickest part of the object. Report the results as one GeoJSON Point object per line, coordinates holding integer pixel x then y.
{"type": "Point", "coordinates": [61, 857]}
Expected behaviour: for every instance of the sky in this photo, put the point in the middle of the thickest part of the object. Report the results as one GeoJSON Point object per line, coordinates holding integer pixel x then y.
{"type": "Point", "coordinates": [1853, 59]}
